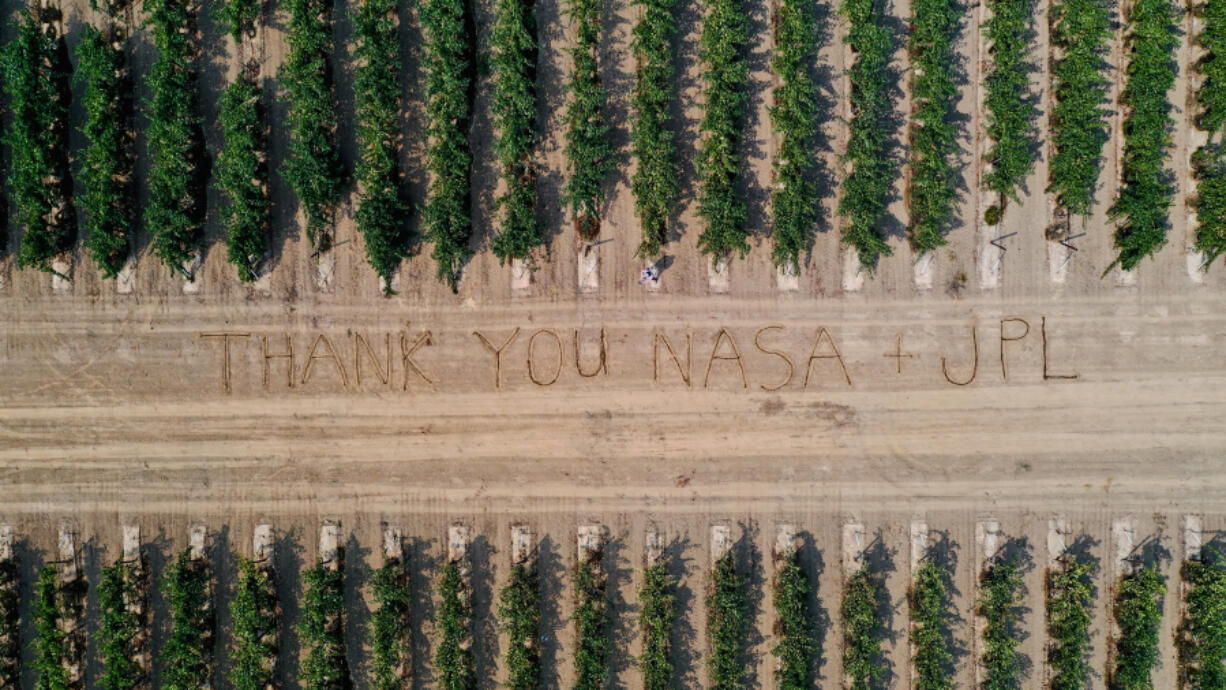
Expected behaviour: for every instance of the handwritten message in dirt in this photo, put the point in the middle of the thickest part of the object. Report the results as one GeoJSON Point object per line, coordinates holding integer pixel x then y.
{"type": "Point", "coordinates": [768, 357]}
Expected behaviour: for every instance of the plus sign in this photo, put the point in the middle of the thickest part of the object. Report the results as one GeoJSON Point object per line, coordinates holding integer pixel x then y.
{"type": "Point", "coordinates": [898, 354]}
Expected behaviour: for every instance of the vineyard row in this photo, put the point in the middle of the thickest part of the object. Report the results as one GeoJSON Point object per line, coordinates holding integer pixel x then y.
{"type": "Point", "coordinates": [189, 655]}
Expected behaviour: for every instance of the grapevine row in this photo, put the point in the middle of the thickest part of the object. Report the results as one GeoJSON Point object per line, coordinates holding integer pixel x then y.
{"type": "Point", "coordinates": [106, 162]}
{"type": "Point", "coordinates": [241, 172]}
{"type": "Point", "coordinates": [659, 612]}
{"type": "Point", "coordinates": [382, 206]}
{"type": "Point", "coordinates": [122, 594]}
{"type": "Point", "coordinates": [727, 624]}
{"type": "Point", "coordinates": [1081, 31]}
{"type": "Point", "coordinates": [1209, 161]}
{"type": "Point", "coordinates": [255, 613]}
{"type": "Point", "coordinates": [520, 611]}
{"type": "Point", "coordinates": [591, 623]}
{"type": "Point", "coordinates": [934, 136]}
{"type": "Point", "coordinates": [725, 33]}
{"type": "Point", "coordinates": [448, 55]}
{"type": "Point", "coordinates": [1070, 594]}
{"type": "Point", "coordinates": [1147, 192]}
{"type": "Point", "coordinates": [1202, 634]}
{"type": "Point", "coordinates": [1009, 103]}
{"type": "Point", "coordinates": [655, 184]}
{"type": "Point", "coordinates": [322, 630]}
{"type": "Point", "coordinates": [794, 115]}
{"type": "Point", "coordinates": [313, 167]}
{"type": "Point", "coordinates": [242, 175]}
{"type": "Point", "coordinates": [931, 609]}
{"type": "Point", "coordinates": [871, 168]}
{"type": "Point", "coordinates": [35, 81]}
{"type": "Point", "coordinates": [513, 37]}
{"type": "Point", "coordinates": [177, 166]}
{"type": "Point", "coordinates": [454, 659]}
{"type": "Point", "coordinates": [589, 153]}
{"type": "Point", "coordinates": [1001, 596]}
{"type": "Point", "coordinates": [797, 649]}
{"type": "Point", "coordinates": [390, 624]}
{"type": "Point", "coordinates": [1138, 614]}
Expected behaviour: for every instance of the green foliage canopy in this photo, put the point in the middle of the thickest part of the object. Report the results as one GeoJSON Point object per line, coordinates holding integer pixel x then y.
{"type": "Point", "coordinates": [1000, 600]}
{"type": "Point", "coordinates": [1143, 205]}
{"type": "Point", "coordinates": [657, 616]}
{"type": "Point", "coordinates": [797, 649]}
{"type": "Point", "coordinates": [383, 204]}
{"type": "Point", "coordinates": [728, 619]}
{"type": "Point", "coordinates": [591, 626]}
{"type": "Point", "coordinates": [256, 614]}
{"type": "Point", "coordinates": [238, 17]}
{"type": "Point", "coordinates": [931, 608]}
{"type": "Point", "coordinates": [794, 205]}
{"type": "Point", "coordinates": [35, 81]}
{"type": "Point", "coordinates": [1070, 593]}
{"type": "Point", "coordinates": [175, 212]}
{"type": "Point", "coordinates": [1209, 168]}
{"type": "Point", "coordinates": [448, 56]}
{"type": "Point", "coordinates": [121, 627]}
{"type": "Point", "coordinates": [589, 153]}
{"type": "Point", "coordinates": [390, 625]}
{"type": "Point", "coordinates": [1009, 100]}
{"type": "Point", "coordinates": [934, 137]}
{"type": "Point", "coordinates": [1202, 633]}
{"type": "Point", "coordinates": [1081, 31]}
{"type": "Point", "coordinates": [322, 629]}
{"type": "Point", "coordinates": [10, 626]}
{"type": "Point", "coordinates": [187, 656]}
{"type": "Point", "coordinates": [862, 628]}
{"type": "Point", "coordinates": [106, 161]}
{"type": "Point", "coordinates": [867, 183]}
{"type": "Point", "coordinates": [1138, 613]}
{"type": "Point", "coordinates": [453, 658]}
{"type": "Point", "coordinates": [1211, 96]}
{"type": "Point", "coordinates": [51, 644]}
{"type": "Point", "coordinates": [1209, 162]}
{"type": "Point", "coordinates": [513, 38]}
{"type": "Point", "coordinates": [654, 184]}
{"type": "Point", "coordinates": [520, 613]}
{"type": "Point", "coordinates": [721, 47]}
{"type": "Point", "coordinates": [242, 176]}
{"type": "Point", "coordinates": [313, 167]}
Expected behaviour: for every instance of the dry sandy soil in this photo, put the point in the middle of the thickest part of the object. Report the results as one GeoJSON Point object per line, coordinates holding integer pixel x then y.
{"type": "Point", "coordinates": [1090, 398]}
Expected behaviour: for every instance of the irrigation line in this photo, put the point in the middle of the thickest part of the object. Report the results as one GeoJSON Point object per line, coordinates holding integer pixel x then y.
{"type": "Point", "coordinates": [997, 243]}
{"type": "Point", "coordinates": [1068, 243]}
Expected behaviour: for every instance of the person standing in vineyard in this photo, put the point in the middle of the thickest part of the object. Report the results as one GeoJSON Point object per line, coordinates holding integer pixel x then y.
{"type": "Point", "coordinates": [650, 275]}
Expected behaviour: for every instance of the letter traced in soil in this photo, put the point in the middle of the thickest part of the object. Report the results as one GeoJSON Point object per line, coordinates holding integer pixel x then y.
{"type": "Point", "coordinates": [974, 367]}
{"type": "Point", "coordinates": [757, 341]}
{"type": "Point", "coordinates": [312, 357]}
{"type": "Point", "coordinates": [603, 366]}
{"type": "Point", "coordinates": [288, 354]}
{"type": "Point", "coordinates": [724, 336]}
{"type": "Point", "coordinates": [557, 369]}
{"type": "Point", "coordinates": [823, 334]}
{"type": "Point", "coordinates": [1046, 374]}
{"type": "Point", "coordinates": [1004, 367]}
{"type": "Point", "coordinates": [655, 357]}
{"type": "Point", "coordinates": [362, 346]}
{"type": "Point", "coordinates": [225, 353]}
{"type": "Point", "coordinates": [406, 358]}
{"type": "Point", "coordinates": [497, 352]}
